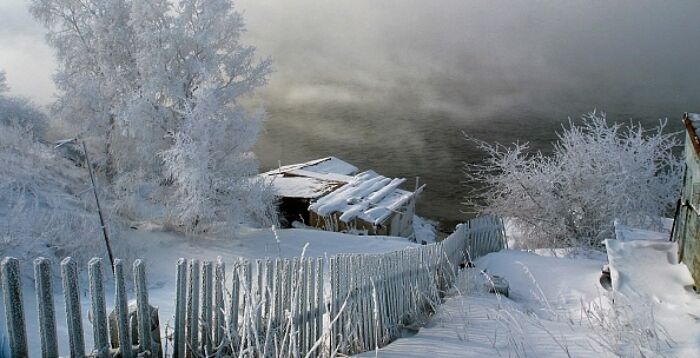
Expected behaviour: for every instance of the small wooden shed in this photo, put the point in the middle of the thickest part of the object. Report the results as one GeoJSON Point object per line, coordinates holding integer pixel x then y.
{"type": "Point", "coordinates": [330, 194]}
{"type": "Point", "coordinates": [686, 228]}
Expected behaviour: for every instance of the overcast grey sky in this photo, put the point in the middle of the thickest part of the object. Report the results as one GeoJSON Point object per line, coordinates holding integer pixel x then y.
{"type": "Point", "coordinates": [455, 55]}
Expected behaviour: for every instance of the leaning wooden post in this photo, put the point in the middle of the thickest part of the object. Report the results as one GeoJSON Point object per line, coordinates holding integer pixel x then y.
{"type": "Point", "coordinates": [45, 306]}
{"type": "Point", "coordinates": [180, 299]}
{"type": "Point", "coordinates": [69, 274]}
{"type": "Point", "coordinates": [14, 310]}
{"type": "Point", "coordinates": [97, 308]}
{"type": "Point", "coordinates": [121, 309]}
{"type": "Point", "coordinates": [103, 224]}
{"type": "Point", "coordinates": [143, 309]}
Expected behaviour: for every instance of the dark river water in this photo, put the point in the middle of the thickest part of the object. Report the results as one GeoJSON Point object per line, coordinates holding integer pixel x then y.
{"type": "Point", "coordinates": [391, 86]}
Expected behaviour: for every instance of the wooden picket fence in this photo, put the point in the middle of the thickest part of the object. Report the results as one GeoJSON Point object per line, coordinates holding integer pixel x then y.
{"type": "Point", "coordinates": [373, 296]}
{"type": "Point", "coordinates": [146, 341]}
{"type": "Point", "coordinates": [278, 312]}
{"type": "Point", "coordinates": [270, 307]}
{"type": "Point", "coordinates": [484, 234]}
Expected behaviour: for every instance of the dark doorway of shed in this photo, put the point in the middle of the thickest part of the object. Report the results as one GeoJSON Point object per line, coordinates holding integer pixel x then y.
{"type": "Point", "coordinates": [293, 209]}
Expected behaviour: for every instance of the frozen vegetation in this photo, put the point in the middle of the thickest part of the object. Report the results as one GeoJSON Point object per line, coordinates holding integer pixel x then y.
{"type": "Point", "coordinates": [599, 171]}
{"type": "Point", "coordinates": [155, 91]}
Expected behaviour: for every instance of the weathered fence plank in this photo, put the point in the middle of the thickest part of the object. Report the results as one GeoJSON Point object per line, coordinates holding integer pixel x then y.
{"type": "Point", "coordinates": [45, 306]}
{"type": "Point", "coordinates": [143, 308]}
{"type": "Point", "coordinates": [122, 311]}
{"type": "Point", "coordinates": [192, 331]}
{"type": "Point", "coordinates": [205, 321]}
{"type": "Point", "coordinates": [180, 310]}
{"type": "Point", "coordinates": [14, 306]}
{"type": "Point", "coordinates": [71, 291]}
{"type": "Point", "coordinates": [98, 308]}
{"type": "Point", "coordinates": [219, 307]}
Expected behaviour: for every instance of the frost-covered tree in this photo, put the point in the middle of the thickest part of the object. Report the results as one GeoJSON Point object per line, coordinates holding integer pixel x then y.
{"type": "Point", "coordinates": [159, 83]}
{"type": "Point", "coordinates": [597, 172]}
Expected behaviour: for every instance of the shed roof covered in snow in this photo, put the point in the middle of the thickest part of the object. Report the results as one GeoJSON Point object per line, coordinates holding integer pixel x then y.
{"type": "Point", "coordinates": [335, 187]}
{"type": "Point", "coordinates": [368, 196]}
{"type": "Point", "coordinates": [310, 179]}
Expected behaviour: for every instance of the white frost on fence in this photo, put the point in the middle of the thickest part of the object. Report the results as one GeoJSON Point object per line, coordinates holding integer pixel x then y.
{"type": "Point", "coordinates": [275, 307]}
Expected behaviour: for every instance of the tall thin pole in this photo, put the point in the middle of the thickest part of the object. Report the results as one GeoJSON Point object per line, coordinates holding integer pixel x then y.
{"type": "Point", "coordinates": [99, 208]}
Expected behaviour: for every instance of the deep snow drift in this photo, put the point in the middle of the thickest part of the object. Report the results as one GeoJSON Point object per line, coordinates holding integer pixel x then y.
{"type": "Point", "coordinates": [557, 308]}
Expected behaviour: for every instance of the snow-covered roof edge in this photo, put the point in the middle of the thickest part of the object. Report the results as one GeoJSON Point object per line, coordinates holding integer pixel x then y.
{"type": "Point", "coordinates": [327, 165]}
{"type": "Point", "coordinates": [368, 196]}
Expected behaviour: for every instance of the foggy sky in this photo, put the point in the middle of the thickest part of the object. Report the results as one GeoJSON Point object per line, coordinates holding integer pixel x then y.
{"type": "Point", "coordinates": [475, 57]}
{"type": "Point", "coordinates": [451, 55]}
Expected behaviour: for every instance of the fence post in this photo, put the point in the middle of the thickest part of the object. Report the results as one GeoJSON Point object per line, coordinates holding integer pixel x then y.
{"type": "Point", "coordinates": [276, 295]}
{"type": "Point", "coordinates": [320, 307]}
{"type": "Point", "coordinates": [14, 309]}
{"type": "Point", "coordinates": [180, 301]}
{"type": "Point", "coordinates": [45, 306]}
{"type": "Point", "coordinates": [219, 321]}
{"type": "Point", "coordinates": [235, 299]}
{"type": "Point", "coordinates": [122, 311]}
{"type": "Point", "coordinates": [143, 309]}
{"type": "Point", "coordinates": [98, 307]}
{"type": "Point", "coordinates": [205, 325]}
{"type": "Point", "coordinates": [192, 309]}
{"type": "Point", "coordinates": [69, 273]}
{"type": "Point", "coordinates": [333, 304]}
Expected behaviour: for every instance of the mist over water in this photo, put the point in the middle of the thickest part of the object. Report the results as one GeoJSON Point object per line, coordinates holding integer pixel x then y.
{"type": "Point", "coordinates": [390, 85]}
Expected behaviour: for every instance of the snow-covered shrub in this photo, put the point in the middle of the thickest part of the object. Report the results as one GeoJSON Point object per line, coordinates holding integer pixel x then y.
{"type": "Point", "coordinates": [45, 210]}
{"type": "Point", "coordinates": [18, 111]}
{"type": "Point", "coordinates": [596, 173]}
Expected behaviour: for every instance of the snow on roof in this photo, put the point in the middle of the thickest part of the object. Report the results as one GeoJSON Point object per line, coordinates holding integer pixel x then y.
{"type": "Point", "coordinates": [368, 196]}
{"type": "Point", "coordinates": [301, 187]}
{"type": "Point", "coordinates": [311, 179]}
{"type": "Point", "coordinates": [339, 189]}
{"type": "Point", "coordinates": [328, 165]}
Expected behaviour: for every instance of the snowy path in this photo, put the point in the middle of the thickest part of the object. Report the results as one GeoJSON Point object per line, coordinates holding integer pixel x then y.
{"type": "Point", "coordinates": [553, 311]}
{"type": "Point", "coordinates": [539, 321]}
{"type": "Point", "coordinates": [479, 326]}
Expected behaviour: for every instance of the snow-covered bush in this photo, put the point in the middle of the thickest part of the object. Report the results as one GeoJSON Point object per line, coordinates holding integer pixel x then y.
{"type": "Point", "coordinates": [596, 173]}
{"type": "Point", "coordinates": [43, 212]}
{"type": "Point", "coordinates": [156, 86]}
{"type": "Point", "coordinates": [18, 111]}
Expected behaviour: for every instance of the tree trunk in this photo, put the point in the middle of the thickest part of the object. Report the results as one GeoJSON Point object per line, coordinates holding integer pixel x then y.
{"type": "Point", "coordinates": [110, 169]}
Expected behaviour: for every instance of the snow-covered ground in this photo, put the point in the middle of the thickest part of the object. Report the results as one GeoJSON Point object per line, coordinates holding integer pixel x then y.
{"type": "Point", "coordinates": [557, 308]}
